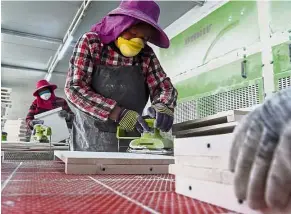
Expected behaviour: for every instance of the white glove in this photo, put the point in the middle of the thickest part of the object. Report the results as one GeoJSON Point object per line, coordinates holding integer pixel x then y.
{"type": "Point", "coordinates": [252, 152]}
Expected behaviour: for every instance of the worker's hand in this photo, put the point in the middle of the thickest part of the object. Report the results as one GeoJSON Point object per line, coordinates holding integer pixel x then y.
{"type": "Point", "coordinates": [130, 120]}
{"type": "Point", "coordinates": [257, 179]}
{"type": "Point", "coordinates": [35, 122]}
{"type": "Point", "coordinates": [164, 116]}
{"type": "Point", "coordinates": [63, 114]}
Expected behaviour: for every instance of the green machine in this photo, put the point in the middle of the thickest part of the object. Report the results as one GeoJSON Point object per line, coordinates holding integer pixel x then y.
{"type": "Point", "coordinates": [226, 61]}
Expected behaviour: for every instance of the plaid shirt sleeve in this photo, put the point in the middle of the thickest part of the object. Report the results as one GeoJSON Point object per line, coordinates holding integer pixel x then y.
{"type": "Point", "coordinates": [77, 88]}
{"type": "Point", "coordinates": [160, 86]}
{"type": "Point", "coordinates": [30, 116]}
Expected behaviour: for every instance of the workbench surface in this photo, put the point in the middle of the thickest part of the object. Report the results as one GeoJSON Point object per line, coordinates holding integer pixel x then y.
{"type": "Point", "coordinates": [43, 187]}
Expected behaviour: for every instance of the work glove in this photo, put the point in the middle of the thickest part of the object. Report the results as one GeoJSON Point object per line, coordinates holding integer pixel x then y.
{"type": "Point", "coordinates": [34, 122]}
{"type": "Point", "coordinates": [259, 152]}
{"type": "Point", "coordinates": [130, 120]}
{"type": "Point", "coordinates": [163, 115]}
{"type": "Point", "coordinates": [63, 114]}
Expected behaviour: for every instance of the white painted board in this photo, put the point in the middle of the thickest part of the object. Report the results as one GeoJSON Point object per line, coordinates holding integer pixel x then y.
{"type": "Point", "coordinates": [204, 174]}
{"type": "Point", "coordinates": [218, 194]}
{"type": "Point", "coordinates": [115, 158]}
{"type": "Point", "coordinates": [213, 145]}
{"type": "Point", "coordinates": [58, 125]}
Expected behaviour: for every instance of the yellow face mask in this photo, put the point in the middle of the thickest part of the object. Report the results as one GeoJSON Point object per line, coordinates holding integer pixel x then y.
{"type": "Point", "coordinates": [129, 48]}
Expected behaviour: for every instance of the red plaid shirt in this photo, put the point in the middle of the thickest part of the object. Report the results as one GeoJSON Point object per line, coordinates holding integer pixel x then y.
{"type": "Point", "coordinates": [90, 51]}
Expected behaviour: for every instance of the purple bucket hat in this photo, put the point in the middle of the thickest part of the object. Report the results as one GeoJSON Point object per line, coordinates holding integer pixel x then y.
{"type": "Point", "coordinates": [129, 13]}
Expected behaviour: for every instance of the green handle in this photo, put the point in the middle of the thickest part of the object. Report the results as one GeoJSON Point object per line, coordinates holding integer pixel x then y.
{"type": "Point", "coordinates": [120, 133]}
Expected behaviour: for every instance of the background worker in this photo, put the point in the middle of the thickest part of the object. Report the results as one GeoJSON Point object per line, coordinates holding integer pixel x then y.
{"type": "Point", "coordinates": [46, 101]}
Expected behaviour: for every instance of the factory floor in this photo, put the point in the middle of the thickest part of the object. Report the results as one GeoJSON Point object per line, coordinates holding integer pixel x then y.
{"type": "Point", "coordinates": [42, 187]}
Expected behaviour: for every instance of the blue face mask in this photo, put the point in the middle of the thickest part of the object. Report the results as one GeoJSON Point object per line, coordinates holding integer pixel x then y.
{"type": "Point", "coordinates": [45, 95]}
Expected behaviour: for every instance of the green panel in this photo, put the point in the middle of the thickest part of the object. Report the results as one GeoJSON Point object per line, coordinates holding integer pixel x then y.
{"type": "Point", "coordinates": [220, 78]}
{"type": "Point", "coordinates": [280, 16]}
{"type": "Point", "coordinates": [212, 37]}
{"type": "Point", "coordinates": [281, 58]}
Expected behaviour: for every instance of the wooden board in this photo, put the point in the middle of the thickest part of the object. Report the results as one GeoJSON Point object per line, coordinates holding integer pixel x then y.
{"type": "Point", "coordinates": [204, 174]}
{"type": "Point", "coordinates": [58, 125]}
{"type": "Point", "coordinates": [208, 130]}
{"type": "Point", "coordinates": [218, 194]}
{"type": "Point", "coordinates": [214, 145]}
{"type": "Point", "coordinates": [27, 146]}
{"type": "Point", "coordinates": [91, 169]}
{"type": "Point", "coordinates": [112, 158]}
{"type": "Point", "coordinates": [219, 118]}
{"type": "Point", "coordinates": [214, 162]}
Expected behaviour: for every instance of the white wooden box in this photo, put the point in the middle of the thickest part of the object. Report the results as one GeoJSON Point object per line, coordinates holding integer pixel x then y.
{"type": "Point", "coordinates": [58, 125]}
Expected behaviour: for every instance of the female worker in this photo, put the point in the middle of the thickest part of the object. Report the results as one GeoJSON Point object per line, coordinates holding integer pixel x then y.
{"type": "Point", "coordinates": [46, 101]}
{"type": "Point", "coordinates": [112, 74]}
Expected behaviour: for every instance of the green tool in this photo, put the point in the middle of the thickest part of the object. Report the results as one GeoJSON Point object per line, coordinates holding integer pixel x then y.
{"type": "Point", "coordinates": [149, 142]}
{"type": "Point", "coordinates": [4, 136]}
{"type": "Point", "coordinates": [41, 133]}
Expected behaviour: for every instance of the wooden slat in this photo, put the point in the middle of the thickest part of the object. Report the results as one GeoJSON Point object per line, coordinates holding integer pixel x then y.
{"type": "Point", "coordinates": [91, 169]}
{"type": "Point", "coordinates": [219, 118]}
{"type": "Point", "coordinates": [204, 174]}
{"type": "Point", "coordinates": [208, 130]}
{"type": "Point", "coordinates": [214, 162]}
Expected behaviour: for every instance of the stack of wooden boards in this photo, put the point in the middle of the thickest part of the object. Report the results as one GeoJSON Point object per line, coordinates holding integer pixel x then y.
{"type": "Point", "coordinates": [16, 130]}
{"type": "Point", "coordinates": [6, 104]}
{"type": "Point", "coordinates": [113, 163]}
{"type": "Point", "coordinates": [202, 149]}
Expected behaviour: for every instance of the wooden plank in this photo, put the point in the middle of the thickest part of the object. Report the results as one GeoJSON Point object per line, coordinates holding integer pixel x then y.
{"type": "Point", "coordinates": [219, 118]}
{"type": "Point", "coordinates": [204, 174]}
{"type": "Point", "coordinates": [214, 145]}
{"type": "Point", "coordinates": [91, 169]}
{"type": "Point", "coordinates": [27, 146]}
{"type": "Point", "coordinates": [213, 162]}
{"type": "Point", "coordinates": [113, 158]}
{"type": "Point", "coordinates": [208, 130]}
{"type": "Point", "coordinates": [218, 194]}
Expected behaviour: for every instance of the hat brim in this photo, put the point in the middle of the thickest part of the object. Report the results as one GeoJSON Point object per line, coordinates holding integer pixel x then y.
{"type": "Point", "coordinates": [53, 87]}
{"type": "Point", "coordinates": [159, 39]}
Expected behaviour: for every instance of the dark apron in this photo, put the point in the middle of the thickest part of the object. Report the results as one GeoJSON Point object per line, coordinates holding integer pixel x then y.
{"type": "Point", "coordinates": [125, 85]}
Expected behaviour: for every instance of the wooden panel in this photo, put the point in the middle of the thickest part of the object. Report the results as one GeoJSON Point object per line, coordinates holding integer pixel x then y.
{"type": "Point", "coordinates": [113, 158]}
{"type": "Point", "coordinates": [214, 145]}
{"type": "Point", "coordinates": [217, 194]}
{"type": "Point", "coordinates": [219, 118]}
{"type": "Point", "coordinates": [205, 174]}
{"type": "Point", "coordinates": [91, 169]}
{"type": "Point", "coordinates": [208, 130]}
